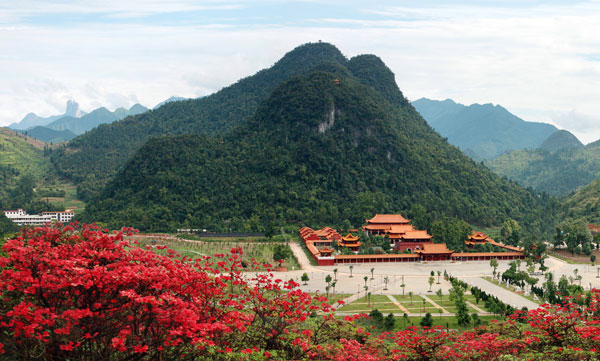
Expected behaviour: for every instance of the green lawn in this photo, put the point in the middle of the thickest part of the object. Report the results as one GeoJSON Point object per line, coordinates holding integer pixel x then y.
{"type": "Point", "coordinates": [448, 322]}
{"type": "Point", "coordinates": [262, 252]}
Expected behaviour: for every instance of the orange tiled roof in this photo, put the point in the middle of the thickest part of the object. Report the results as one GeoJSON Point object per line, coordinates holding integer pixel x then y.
{"type": "Point", "coordinates": [400, 228]}
{"type": "Point", "coordinates": [350, 237]}
{"type": "Point", "coordinates": [380, 256]}
{"type": "Point", "coordinates": [377, 227]}
{"type": "Point", "coordinates": [491, 254]}
{"type": "Point", "coordinates": [434, 248]}
{"type": "Point", "coordinates": [388, 218]}
{"type": "Point", "coordinates": [478, 236]}
{"type": "Point", "coordinates": [416, 235]}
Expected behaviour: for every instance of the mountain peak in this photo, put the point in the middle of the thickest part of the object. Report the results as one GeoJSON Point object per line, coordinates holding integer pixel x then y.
{"type": "Point", "coordinates": [73, 109]}
{"type": "Point", "coordinates": [561, 139]}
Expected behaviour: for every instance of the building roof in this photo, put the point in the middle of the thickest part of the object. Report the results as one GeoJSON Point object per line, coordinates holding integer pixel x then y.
{"type": "Point", "coordinates": [478, 236]}
{"type": "Point", "coordinates": [380, 256]}
{"type": "Point", "coordinates": [388, 218]}
{"type": "Point", "coordinates": [377, 227]}
{"type": "Point", "coordinates": [400, 228]}
{"type": "Point", "coordinates": [416, 235]}
{"type": "Point", "coordinates": [485, 254]}
{"type": "Point", "coordinates": [350, 237]}
{"type": "Point", "coordinates": [434, 248]}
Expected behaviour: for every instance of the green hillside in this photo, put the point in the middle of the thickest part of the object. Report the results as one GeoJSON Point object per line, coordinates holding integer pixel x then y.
{"type": "Point", "coordinates": [483, 131]}
{"type": "Point", "coordinates": [20, 154]}
{"type": "Point", "coordinates": [91, 159]}
{"type": "Point", "coordinates": [339, 144]}
{"type": "Point", "coordinates": [556, 172]}
{"type": "Point", "coordinates": [585, 203]}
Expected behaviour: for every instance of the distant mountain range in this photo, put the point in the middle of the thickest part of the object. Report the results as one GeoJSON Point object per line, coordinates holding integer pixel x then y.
{"type": "Point", "coordinates": [64, 127]}
{"type": "Point", "coordinates": [482, 131]}
{"type": "Point", "coordinates": [32, 120]}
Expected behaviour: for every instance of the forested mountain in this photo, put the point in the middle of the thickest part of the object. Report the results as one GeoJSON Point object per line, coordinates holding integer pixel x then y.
{"type": "Point", "coordinates": [48, 135]}
{"type": "Point", "coordinates": [91, 159]}
{"type": "Point", "coordinates": [482, 131]}
{"type": "Point", "coordinates": [560, 167]}
{"type": "Point", "coordinates": [341, 143]}
{"type": "Point", "coordinates": [585, 203]}
{"type": "Point", "coordinates": [562, 139]}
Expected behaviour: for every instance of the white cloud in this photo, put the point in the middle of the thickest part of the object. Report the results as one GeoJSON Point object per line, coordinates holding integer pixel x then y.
{"type": "Point", "coordinates": [536, 60]}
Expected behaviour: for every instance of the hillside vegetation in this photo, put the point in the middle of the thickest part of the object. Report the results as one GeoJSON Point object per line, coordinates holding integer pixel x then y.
{"type": "Point", "coordinates": [557, 172]}
{"type": "Point", "coordinates": [92, 158]}
{"type": "Point", "coordinates": [341, 143]}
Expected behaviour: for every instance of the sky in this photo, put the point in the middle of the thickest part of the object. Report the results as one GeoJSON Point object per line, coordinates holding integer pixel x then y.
{"type": "Point", "coordinates": [538, 59]}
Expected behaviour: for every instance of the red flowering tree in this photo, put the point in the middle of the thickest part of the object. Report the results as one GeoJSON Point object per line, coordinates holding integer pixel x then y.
{"type": "Point", "coordinates": [82, 293]}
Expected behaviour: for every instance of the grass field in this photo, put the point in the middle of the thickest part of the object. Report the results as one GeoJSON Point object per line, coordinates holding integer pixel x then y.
{"type": "Point", "coordinates": [262, 252]}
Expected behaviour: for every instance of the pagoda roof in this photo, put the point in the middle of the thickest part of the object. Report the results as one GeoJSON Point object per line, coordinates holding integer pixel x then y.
{"type": "Point", "coordinates": [388, 218]}
{"type": "Point", "coordinates": [416, 235]}
{"type": "Point", "coordinates": [478, 236]}
{"type": "Point", "coordinates": [434, 248]}
{"type": "Point", "coordinates": [326, 250]}
{"type": "Point", "coordinates": [350, 237]}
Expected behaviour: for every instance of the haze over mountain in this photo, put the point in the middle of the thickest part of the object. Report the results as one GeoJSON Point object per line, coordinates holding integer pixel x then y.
{"type": "Point", "coordinates": [482, 131]}
{"type": "Point", "coordinates": [169, 100]}
{"type": "Point", "coordinates": [32, 120]}
{"type": "Point", "coordinates": [339, 142]}
{"type": "Point", "coordinates": [68, 127]}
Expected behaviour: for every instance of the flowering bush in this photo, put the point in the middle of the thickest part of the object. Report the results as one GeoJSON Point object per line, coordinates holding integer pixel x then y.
{"type": "Point", "coordinates": [81, 293]}
{"type": "Point", "coordinates": [78, 292]}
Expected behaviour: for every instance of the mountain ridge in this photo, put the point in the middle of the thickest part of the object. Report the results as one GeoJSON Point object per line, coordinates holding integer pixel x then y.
{"type": "Point", "coordinates": [326, 147]}
{"type": "Point", "coordinates": [482, 130]}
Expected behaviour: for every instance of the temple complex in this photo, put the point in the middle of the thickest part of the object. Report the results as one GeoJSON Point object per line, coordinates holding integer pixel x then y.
{"type": "Point", "coordinates": [409, 244]}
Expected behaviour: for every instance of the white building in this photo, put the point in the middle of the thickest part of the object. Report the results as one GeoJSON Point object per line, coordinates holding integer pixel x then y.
{"type": "Point", "coordinates": [21, 217]}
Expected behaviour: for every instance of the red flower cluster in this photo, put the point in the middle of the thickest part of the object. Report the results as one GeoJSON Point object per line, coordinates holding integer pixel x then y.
{"type": "Point", "coordinates": [81, 293]}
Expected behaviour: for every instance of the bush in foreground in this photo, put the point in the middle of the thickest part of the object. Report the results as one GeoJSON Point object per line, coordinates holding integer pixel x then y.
{"type": "Point", "coordinates": [80, 293]}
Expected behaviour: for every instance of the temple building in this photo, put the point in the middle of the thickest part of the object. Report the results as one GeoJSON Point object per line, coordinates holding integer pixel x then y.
{"type": "Point", "coordinates": [382, 223]}
{"type": "Point", "coordinates": [480, 238]}
{"type": "Point", "coordinates": [435, 252]}
{"type": "Point", "coordinates": [402, 235]}
{"type": "Point", "coordinates": [351, 242]}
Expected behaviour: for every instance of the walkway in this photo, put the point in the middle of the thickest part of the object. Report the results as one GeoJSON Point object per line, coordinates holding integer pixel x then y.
{"type": "Point", "coordinates": [505, 296]}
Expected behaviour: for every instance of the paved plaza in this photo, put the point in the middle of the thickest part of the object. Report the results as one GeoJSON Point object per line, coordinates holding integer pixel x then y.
{"type": "Point", "coordinates": [415, 277]}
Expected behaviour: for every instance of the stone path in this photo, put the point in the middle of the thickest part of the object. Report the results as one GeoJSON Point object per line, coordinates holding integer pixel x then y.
{"type": "Point", "coordinates": [434, 304]}
{"type": "Point", "coordinates": [398, 304]}
{"type": "Point", "coordinates": [506, 296]}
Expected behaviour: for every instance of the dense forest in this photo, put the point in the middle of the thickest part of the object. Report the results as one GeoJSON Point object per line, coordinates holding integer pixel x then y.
{"type": "Point", "coordinates": [92, 158]}
{"type": "Point", "coordinates": [558, 168]}
{"type": "Point", "coordinates": [334, 146]}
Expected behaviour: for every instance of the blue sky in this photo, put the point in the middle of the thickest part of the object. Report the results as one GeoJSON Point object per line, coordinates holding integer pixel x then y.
{"type": "Point", "coordinates": [539, 59]}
